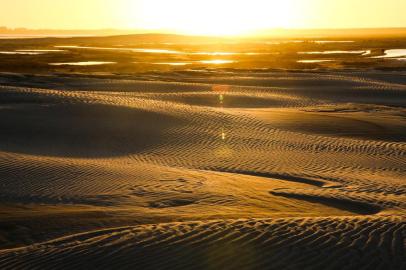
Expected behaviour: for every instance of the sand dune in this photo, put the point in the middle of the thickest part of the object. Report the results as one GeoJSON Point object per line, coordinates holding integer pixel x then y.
{"type": "Point", "coordinates": [196, 170]}
{"type": "Point", "coordinates": [297, 243]}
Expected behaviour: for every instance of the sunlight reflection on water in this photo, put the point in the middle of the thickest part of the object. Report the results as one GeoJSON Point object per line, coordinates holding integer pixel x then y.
{"type": "Point", "coordinates": [86, 63]}
{"type": "Point", "coordinates": [165, 51]}
{"type": "Point", "coordinates": [334, 52]}
{"type": "Point", "coordinates": [217, 62]}
{"type": "Point", "coordinates": [20, 53]}
{"type": "Point", "coordinates": [41, 51]}
{"type": "Point", "coordinates": [310, 61]}
{"type": "Point", "coordinates": [173, 64]}
{"type": "Point", "coordinates": [333, 41]}
{"type": "Point", "coordinates": [393, 53]}
{"type": "Point", "coordinates": [208, 62]}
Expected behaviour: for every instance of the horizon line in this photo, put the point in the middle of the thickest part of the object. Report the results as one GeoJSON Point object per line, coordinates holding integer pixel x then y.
{"type": "Point", "coordinates": [275, 31]}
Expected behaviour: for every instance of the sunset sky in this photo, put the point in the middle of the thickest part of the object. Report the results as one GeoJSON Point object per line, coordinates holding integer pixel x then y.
{"type": "Point", "coordinates": [202, 16]}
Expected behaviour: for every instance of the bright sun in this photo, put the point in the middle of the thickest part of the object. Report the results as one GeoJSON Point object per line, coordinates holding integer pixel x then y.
{"type": "Point", "coordinates": [210, 17]}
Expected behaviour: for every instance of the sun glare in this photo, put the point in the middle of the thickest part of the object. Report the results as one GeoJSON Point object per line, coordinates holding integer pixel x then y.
{"type": "Point", "coordinates": [210, 17]}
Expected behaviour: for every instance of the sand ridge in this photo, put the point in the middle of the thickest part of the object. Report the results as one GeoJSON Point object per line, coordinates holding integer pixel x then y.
{"type": "Point", "coordinates": [280, 171]}
{"type": "Point", "coordinates": [336, 243]}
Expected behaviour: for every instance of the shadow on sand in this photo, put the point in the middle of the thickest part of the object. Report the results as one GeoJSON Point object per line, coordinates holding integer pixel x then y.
{"type": "Point", "coordinates": [79, 130]}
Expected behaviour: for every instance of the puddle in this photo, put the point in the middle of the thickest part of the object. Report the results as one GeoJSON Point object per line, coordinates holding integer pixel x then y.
{"type": "Point", "coordinates": [41, 51]}
{"type": "Point", "coordinates": [313, 61]}
{"type": "Point", "coordinates": [217, 62]}
{"type": "Point", "coordinates": [164, 51]}
{"type": "Point", "coordinates": [21, 53]}
{"type": "Point", "coordinates": [393, 53]}
{"type": "Point", "coordinates": [173, 64]}
{"type": "Point", "coordinates": [335, 52]}
{"type": "Point", "coordinates": [87, 63]}
{"type": "Point", "coordinates": [333, 41]}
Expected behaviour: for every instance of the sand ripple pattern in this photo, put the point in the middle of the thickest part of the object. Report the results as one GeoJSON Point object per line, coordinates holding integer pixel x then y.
{"type": "Point", "coordinates": [298, 243]}
{"type": "Point", "coordinates": [179, 150]}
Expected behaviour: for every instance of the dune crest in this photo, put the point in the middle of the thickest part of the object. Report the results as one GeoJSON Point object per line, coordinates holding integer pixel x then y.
{"type": "Point", "coordinates": [256, 170]}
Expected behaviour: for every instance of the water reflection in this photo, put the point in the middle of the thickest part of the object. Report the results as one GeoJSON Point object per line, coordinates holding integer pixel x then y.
{"type": "Point", "coordinates": [393, 53]}
{"type": "Point", "coordinates": [232, 53]}
{"type": "Point", "coordinates": [333, 41]}
{"type": "Point", "coordinates": [85, 63]}
{"type": "Point", "coordinates": [208, 62]}
{"type": "Point", "coordinates": [163, 51]}
{"type": "Point", "coordinates": [334, 52]}
{"type": "Point", "coordinates": [215, 53]}
{"type": "Point", "coordinates": [41, 51]}
{"type": "Point", "coordinates": [20, 53]}
{"type": "Point", "coordinates": [217, 62]}
{"type": "Point", "coordinates": [311, 61]}
{"type": "Point", "coordinates": [29, 52]}
{"type": "Point", "coordinates": [173, 64]}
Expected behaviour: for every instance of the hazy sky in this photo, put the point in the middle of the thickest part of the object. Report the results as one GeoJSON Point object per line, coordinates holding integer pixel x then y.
{"type": "Point", "coordinates": [202, 16]}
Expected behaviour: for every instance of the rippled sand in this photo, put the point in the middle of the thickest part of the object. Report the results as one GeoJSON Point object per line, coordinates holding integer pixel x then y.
{"type": "Point", "coordinates": [204, 170]}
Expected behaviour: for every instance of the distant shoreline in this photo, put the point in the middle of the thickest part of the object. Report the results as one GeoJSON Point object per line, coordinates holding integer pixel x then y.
{"type": "Point", "coordinates": [41, 36]}
{"type": "Point", "coordinates": [262, 33]}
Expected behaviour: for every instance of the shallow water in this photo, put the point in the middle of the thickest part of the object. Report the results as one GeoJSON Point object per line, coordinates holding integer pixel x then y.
{"type": "Point", "coordinates": [85, 63]}
{"type": "Point", "coordinates": [209, 62]}
{"type": "Point", "coordinates": [393, 53]}
{"type": "Point", "coordinates": [173, 64]}
{"type": "Point", "coordinates": [232, 53]}
{"type": "Point", "coordinates": [41, 51]}
{"type": "Point", "coordinates": [161, 51]}
{"type": "Point", "coordinates": [217, 62]}
{"type": "Point", "coordinates": [29, 52]}
{"type": "Point", "coordinates": [215, 53]}
{"type": "Point", "coordinates": [21, 53]}
{"type": "Point", "coordinates": [333, 41]}
{"type": "Point", "coordinates": [334, 52]}
{"type": "Point", "coordinates": [311, 61]}
{"type": "Point", "coordinates": [166, 51]}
